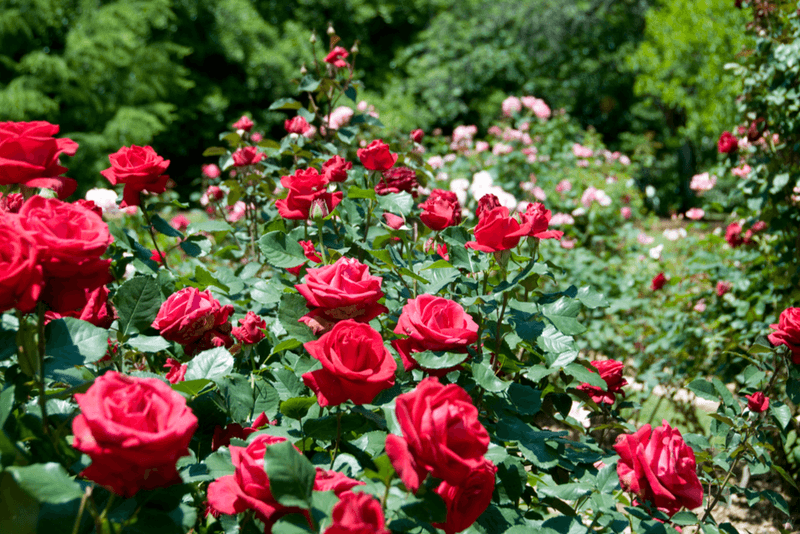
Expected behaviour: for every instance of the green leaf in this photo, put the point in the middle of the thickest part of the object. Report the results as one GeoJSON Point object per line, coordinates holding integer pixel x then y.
{"type": "Point", "coordinates": [285, 103]}
{"type": "Point", "coordinates": [297, 407]}
{"type": "Point", "coordinates": [164, 227]}
{"type": "Point", "coordinates": [350, 93]}
{"type": "Point", "coordinates": [72, 342]}
{"type": "Point", "coordinates": [47, 483]}
{"type": "Point", "coordinates": [281, 251]}
{"type": "Point", "coordinates": [705, 389]}
{"type": "Point", "coordinates": [485, 378]}
{"type": "Point", "coordinates": [6, 404]}
{"type": "Point", "coordinates": [196, 245]}
{"type": "Point", "coordinates": [210, 364]}
{"type": "Point", "coordinates": [571, 491]}
{"type": "Point", "coordinates": [438, 360]}
{"type": "Point", "coordinates": [291, 475]}
{"type": "Point", "coordinates": [397, 203]}
{"type": "Point", "coordinates": [238, 396]}
{"type": "Point", "coordinates": [149, 343]}
{"type": "Point", "coordinates": [209, 226]}
{"type": "Point", "coordinates": [291, 308]}
{"type": "Point", "coordinates": [554, 341]}
{"type": "Point", "coordinates": [266, 398]}
{"type": "Point", "coordinates": [357, 192]}
{"type": "Point", "coordinates": [308, 83]}
{"type": "Point", "coordinates": [591, 298]}
{"type": "Point", "coordinates": [563, 313]}
{"type": "Point", "coordinates": [214, 151]}
{"type": "Point", "coordinates": [585, 375]}
{"type": "Point", "coordinates": [192, 388]}
{"type": "Point", "coordinates": [219, 463]}
{"type": "Point", "coordinates": [137, 302]}
{"type": "Point", "coordinates": [684, 518]}
{"type": "Point", "coordinates": [207, 278]}
{"type": "Point", "coordinates": [525, 399]}
{"type": "Point", "coordinates": [781, 412]}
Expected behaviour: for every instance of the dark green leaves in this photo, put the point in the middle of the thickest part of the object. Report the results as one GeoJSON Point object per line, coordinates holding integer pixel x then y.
{"type": "Point", "coordinates": [291, 475]}
{"type": "Point", "coordinates": [47, 483]}
{"type": "Point", "coordinates": [72, 342]}
{"type": "Point", "coordinates": [137, 302]}
{"type": "Point", "coordinates": [280, 250]}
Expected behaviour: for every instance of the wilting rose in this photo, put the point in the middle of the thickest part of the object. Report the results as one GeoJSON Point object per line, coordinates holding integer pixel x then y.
{"type": "Point", "coordinates": [195, 319]}
{"type": "Point", "coordinates": [441, 210]}
{"type": "Point", "coordinates": [441, 435]}
{"type": "Point", "coordinates": [433, 323]}
{"type": "Point", "coordinates": [357, 513]}
{"type": "Point", "coordinates": [657, 466]}
{"type": "Point", "coordinates": [243, 124]}
{"type": "Point", "coordinates": [757, 402]}
{"type": "Point", "coordinates": [658, 282]}
{"type": "Point", "coordinates": [248, 155]}
{"type": "Point", "coordinates": [337, 56]}
{"type": "Point", "coordinates": [611, 372]}
{"type": "Point", "coordinates": [335, 169]}
{"type": "Point", "coordinates": [29, 156]}
{"type": "Point", "coordinates": [134, 430]}
{"type": "Point", "coordinates": [305, 187]}
{"type": "Point", "coordinates": [787, 332]}
{"type": "Point", "coordinates": [397, 180]}
{"type": "Point", "coordinates": [727, 143]}
{"type": "Point", "coordinates": [140, 169]}
{"type": "Point", "coordinates": [342, 290]}
{"type": "Point", "coordinates": [71, 240]}
{"type": "Point", "coordinates": [296, 125]}
{"type": "Point", "coordinates": [468, 500]}
{"type": "Point", "coordinates": [21, 278]}
{"type": "Point", "coordinates": [356, 366]}
{"type": "Point", "coordinates": [250, 330]}
{"type": "Point", "coordinates": [377, 156]}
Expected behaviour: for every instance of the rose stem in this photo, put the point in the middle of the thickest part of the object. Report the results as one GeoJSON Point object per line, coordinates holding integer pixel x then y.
{"type": "Point", "coordinates": [321, 244]}
{"type": "Point", "coordinates": [77, 524]}
{"type": "Point", "coordinates": [40, 309]}
{"type": "Point", "coordinates": [338, 434]}
{"type": "Point", "coordinates": [724, 482]}
{"type": "Point", "coordinates": [152, 232]}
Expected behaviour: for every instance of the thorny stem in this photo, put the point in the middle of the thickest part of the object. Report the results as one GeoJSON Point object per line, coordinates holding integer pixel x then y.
{"type": "Point", "coordinates": [163, 257]}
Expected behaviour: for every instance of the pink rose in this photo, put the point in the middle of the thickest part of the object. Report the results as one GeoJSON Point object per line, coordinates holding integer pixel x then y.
{"type": "Point", "coordinates": [335, 169]}
{"type": "Point", "coordinates": [727, 143]}
{"type": "Point", "coordinates": [21, 279]}
{"type": "Point", "coordinates": [337, 56]}
{"type": "Point", "coordinates": [176, 371]}
{"type": "Point", "coordinates": [97, 310]}
{"type": "Point", "coordinates": [305, 187]}
{"type": "Point", "coordinates": [248, 155]}
{"type": "Point", "coordinates": [417, 135]}
{"type": "Point", "coordinates": [297, 125]}
{"type": "Point", "coordinates": [496, 231]}
{"type": "Point", "coordinates": [397, 180]}
{"type": "Point", "coordinates": [535, 220]}
{"type": "Point", "coordinates": [658, 282]}
{"type": "Point", "coordinates": [243, 124]}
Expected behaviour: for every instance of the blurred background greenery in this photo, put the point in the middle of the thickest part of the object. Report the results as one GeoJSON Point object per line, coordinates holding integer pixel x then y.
{"type": "Point", "coordinates": [647, 75]}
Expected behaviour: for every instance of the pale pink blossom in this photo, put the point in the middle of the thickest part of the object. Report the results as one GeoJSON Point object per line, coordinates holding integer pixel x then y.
{"type": "Point", "coordinates": [464, 134]}
{"type": "Point", "coordinates": [495, 131]}
{"type": "Point", "coordinates": [563, 185]}
{"type": "Point", "coordinates": [568, 243]}
{"type": "Point", "coordinates": [339, 117]}
{"type": "Point", "coordinates": [583, 163]}
{"type": "Point", "coordinates": [237, 211]}
{"type": "Point", "coordinates": [481, 146]}
{"type": "Point", "coordinates": [581, 151]}
{"type": "Point", "coordinates": [611, 179]}
{"type": "Point", "coordinates": [595, 195]}
{"type": "Point", "coordinates": [626, 212]}
{"type": "Point", "coordinates": [655, 252]}
{"type": "Point", "coordinates": [105, 199]}
{"type": "Point", "coordinates": [525, 126]}
{"type": "Point", "coordinates": [703, 182]}
{"type": "Point", "coordinates": [700, 307]}
{"type": "Point", "coordinates": [645, 239]}
{"type": "Point", "coordinates": [511, 105]}
{"type": "Point", "coordinates": [560, 219]}
{"type": "Point", "coordinates": [695, 214]}
{"type": "Point", "coordinates": [363, 106]}
{"type": "Point", "coordinates": [459, 186]}
{"type": "Point", "coordinates": [449, 158]}
{"type": "Point", "coordinates": [673, 234]}
{"type": "Point", "coordinates": [742, 171]}
{"type": "Point", "coordinates": [625, 160]}
{"type": "Point", "coordinates": [502, 148]}
{"type": "Point", "coordinates": [579, 212]}
{"type": "Point", "coordinates": [538, 106]}
{"type": "Point", "coordinates": [539, 194]}
{"type": "Point", "coordinates": [436, 162]}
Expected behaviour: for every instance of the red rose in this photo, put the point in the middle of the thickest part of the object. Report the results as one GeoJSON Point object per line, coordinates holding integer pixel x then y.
{"type": "Point", "coordinates": [248, 488]}
{"type": "Point", "coordinates": [611, 372]}
{"type": "Point", "coordinates": [134, 430]}
{"type": "Point", "coordinates": [397, 180]}
{"type": "Point", "coordinates": [335, 169]}
{"type": "Point", "coordinates": [71, 240]}
{"type": "Point", "coordinates": [223, 436]}
{"type": "Point", "coordinates": [310, 251]}
{"type": "Point", "coordinates": [211, 171]}
{"type": "Point", "coordinates": [304, 187]}
{"type": "Point", "coordinates": [97, 310]}
{"type": "Point", "coordinates": [342, 290]}
{"type": "Point", "coordinates": [727, 143]}
{"type": "Point", "coordinates": [29, 156]}
{"type": "Point", "coordinates": [140, 169]}
{"type": "Point", "coordinates": [248, 155]}
{"type": "Point", "coordinates": [441, 250]}
{"type": "Point", "coordinates": [176, 371]}
{"type": "Point", "coordinates": [296, 125]}
{"type": "Point", "coordinates": [537, 218]}
{"type": "Point", "coordinates": [433, 323]}
{"type": "Point", "coordinates": [723, 287]}
{"type": "Point", "coordinates": [180, 222]}
{"type": "Point", "coordinates": [194, 319]}
{"type": "Point", "coordinates": [658, 467]}
{"type": "Point", "coordinates": [376, 156]}
{"type": "Point", "coordinates": [251, 330]}
{"type": "Point", "coordinates": [21, 279]}
{"type": "Point", "coordinates": [441, 210]}
{"type": "Point", "coordinates": [417, 135]}
{"type": "Point", "coordinates": [243, 124]}
{"type": "Point", "coordinates": [486, 204]}
{"type": "Point", "coordinates": [441, 435]}
{"type": "Point", "coordinates": [394, 222]}
{"type": "Point", "coordinates": [357, 513]}
{"type": "Point", "coordinates": [496, 231]}
{"type": "Point", "coordinates": [787, 332]}
{"type": "Point", "coordinates": [334, 481]}
{"type": "Point", "coordinates": [733, 235]}
{"type": "Point", "coordinates": [157, 256]}
{"type": "Point", "coordinates": [757, 402]}
{"type": "Point", "coordinates": [658, 282]}
{"type": "Point", "coordinates": [356, 365]}
{"type": "Point", "coordinates": [468, 500]}
{"type": "Point", "coordinates": [337, 56]}
{"type": "Point", "coordinates": [11, 203]}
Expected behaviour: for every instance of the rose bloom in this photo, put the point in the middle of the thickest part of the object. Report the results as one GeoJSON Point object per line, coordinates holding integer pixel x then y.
{"type": "Point", "coordinates": [536, 219]}
{"type": "Point", "coordinates": [695, 214]}
{"type": "Point", "coordinates": [335, 169]}
{"type": "Point", "coordinates": [723, 287]}
{"type": "Point", "coordinates": [296, 125]}
{"type": "Point", "coordinates": [248, 488]}
{"type": "Point", "coordinates": [417, 135]}
{"type": "Point", "coordinates": [700, 306]}
{"type": "Point", "coordinates": [243, 124]}
{"type": "Point", "coordinates": [741, 171]}
{"type": "Point", "coordinates": [626, 212]}
{"type": "Point", "coordinates": [134, 430]}
{"type": "Point", "coordinates": [511, 105]}
{"type": "Point", "coordinates": [581, 151]}
{"type": "Point", "coordinates": [97, 310]}
{"type": "Point", "coordinates": [436, 162]}
{"type": "Point", "coordinates": [248, 155]}
{"type": "Point", "coordinates": [441, 210]}
{"type": "Point", "coordinates": [337, 56]}
{"type": "Point", "coordinates": [251, 329]}
{"type": "Point", "coordinates": [342, 290]}
{"type": "Point", "coordinates": [176, 371]}
{"type": "Point", "coordinates": [140, 169]}
{"type": "Point", "coordinates": [29, 156]}
{"type": "Point", "coordinates": [338, 117]}
{"type": "Point", "coordinates": [71, 240]}
{"type": "Point", "coordinates": [211, 171]}
{"type": "Point", "coordinates": [727, 143]}
{"type": "Point", "coordinates": [376, 156]}
{"type": "Point", "coordinates": [356, 366]}
{"type": "Point", "coordinates": [657, 466]}
{"type": "Point", "coordinates": [611, 372]}
{"type": "Point", "coordinates": [194, 319]}
{"type": "Point", "coordinates": [733, 235]}
{"type": "Point", "coordinates": [441, 250]}
{"type": "Point", "coordinates": [21, 278]}
{"type": "Point", "coordinates": [222, 436]}
{"type": "Point", "coordinates": [180, 222]}
{"type": "Point", "coordinates": [496, 231]}
{"type": "Point", "coordinates": [468, 500]}
{"type": "Point", "coordinates": [357, 513]}
{"type": "Point", "coordinates": [433, 323]}
{"type": "Point", "coordinates": [310, 251]}
{"type": "Point", "coordinates": [441, 435]}
{"type": "Point", "coordinates": [703, 182]}
{"type": "Point", "coordinates": [397, 180]}
{"type": "Point", "coordinates": [394, 222]}
{"type": "Point", "coordinates": [757, 402]}
{"type": "Point", "coordinates": [568, 243]}
{"type": "Point", "coordinates": [658, 282]}
{"type": "Point", "coordinates": [787, 332]}
{"type": "Point", "coordinates": [305, 187]}
{"type": "Point", "coordinates": [11, 203]}
{"type": "Point", "coordinates": [105, 199]}
{"type": "Point", "coordinates": [338, 483]}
